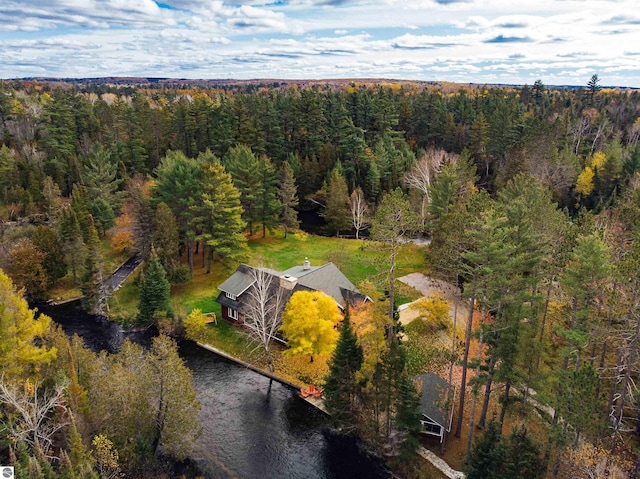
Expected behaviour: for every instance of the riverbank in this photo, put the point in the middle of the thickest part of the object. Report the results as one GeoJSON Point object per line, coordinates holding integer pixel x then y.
{"type": "Point", "coordinates": [444, 468]}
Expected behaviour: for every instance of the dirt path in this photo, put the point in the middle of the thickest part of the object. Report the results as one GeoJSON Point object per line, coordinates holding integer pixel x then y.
{"type": "Point", "coordinates": [428, 286]}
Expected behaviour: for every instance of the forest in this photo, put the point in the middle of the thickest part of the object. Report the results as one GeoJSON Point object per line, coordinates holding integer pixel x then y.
{"type": "Point", "coordinates": [529, 196]}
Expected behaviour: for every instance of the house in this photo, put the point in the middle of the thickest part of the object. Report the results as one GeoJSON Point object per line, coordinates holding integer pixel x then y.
{"type": "Point", "coordinates": [327, 278]}
{"type": "Point", "coordinates": [436, 414]}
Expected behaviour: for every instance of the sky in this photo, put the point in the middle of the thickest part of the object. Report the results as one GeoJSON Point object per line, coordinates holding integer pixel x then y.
{"type": "Point", "coordinates": [560, 42]}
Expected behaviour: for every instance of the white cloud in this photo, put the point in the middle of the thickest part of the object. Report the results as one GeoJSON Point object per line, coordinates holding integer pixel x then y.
{"type": "Point", "coordinates": [474, 41]}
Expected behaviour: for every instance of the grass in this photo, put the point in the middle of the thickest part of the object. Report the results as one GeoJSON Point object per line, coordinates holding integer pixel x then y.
{"type": "Point", "coordinates": [111, 260]}
{"type": "Point", "coordinates": [229, 338]}
{"type": "Point", "coordinates": [123, 305]}
{"type": "Point", "coordinates": [359, 260]}
{"type": "Point", "coordinates": [65, 289]}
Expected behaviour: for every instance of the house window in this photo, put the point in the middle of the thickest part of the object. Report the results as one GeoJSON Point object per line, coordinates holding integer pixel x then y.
{"type": "Point", "coordinates": [231, 296]}
{"type": "Point", "coordinates": [233, 313]}
{"type": "Point", "coordinates": [431, 428]}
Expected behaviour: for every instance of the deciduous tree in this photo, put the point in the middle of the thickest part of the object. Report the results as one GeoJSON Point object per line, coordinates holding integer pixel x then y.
{"type": "Point", "coordinates": [309, 323]}
{"type": "Point", "coordinates": [359, 211]}
{"type": "Point", "coordinates": [263, 310]}
{"type": "Point", "coordinates": [393, 224]}
{"type": "Point", "coordinates": [21, 353]}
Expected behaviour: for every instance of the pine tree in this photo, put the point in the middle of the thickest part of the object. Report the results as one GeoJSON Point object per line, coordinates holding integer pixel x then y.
{"type": "Point", "coordinates": [154, 292]}
{"type": "Point", "coordinates": [93, 280]}
{"type": "Point", "coordinates": [244, 168]}
{"type": "Point", "coordinates": [179, 185]}
{"type": "Point", "coordinates": [288, 196]}
{"type": "Point", "coordinates": [219, 215]}
{"type": "Point", "coordinates": [269, 206]}
{"type": "Point", "coordinates": [165, 238]}
{"type": "Point", "coordinates": [103, 216]}
{"type": "Point", "coordinates": [341, 388]}
{"type": "Point", "coordinates": [72, 243]}
{"type": "Point", "coordinates": [487, 453]}
{"type": "Point", "coordinates": [81, 205]}
{"type": "Point", "coordinates": [337, 213]}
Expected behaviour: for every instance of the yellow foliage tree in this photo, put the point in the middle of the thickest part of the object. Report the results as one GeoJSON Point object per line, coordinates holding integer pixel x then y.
{"type": "Point", "coordinates": [19, 354]}
{"type": "Point", "coordinates": [436, 310]}
{"type": "Point", "coordinates": [584, 184]}
{"type": "Point", "coordinates": [587, 461]}
{"type": "Point", "coordinates": [195, 325]}
{"type": "Point", "coordinates": [369, 322]}
{"type": "Point", "coordinates": [309, 323]}
{"type": "Point", "coordinates": [598, 159]}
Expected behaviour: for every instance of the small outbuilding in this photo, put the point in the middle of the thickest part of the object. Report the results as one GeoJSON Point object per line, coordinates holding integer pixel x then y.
{"type": "Point", "coordinates": [437, 410]}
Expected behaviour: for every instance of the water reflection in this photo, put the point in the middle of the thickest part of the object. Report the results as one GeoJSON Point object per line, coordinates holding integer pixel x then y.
{"type": "Point", "coordinates": [252, 427]}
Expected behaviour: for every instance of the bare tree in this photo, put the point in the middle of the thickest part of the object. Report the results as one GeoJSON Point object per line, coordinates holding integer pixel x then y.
{"type": "Point", "coordinates": [423, 173]}
{"type": "Point", "coordinates": [359, 211]}
{"type": "Point", "coordinates": [264, 310]}
{"type": "Point", "coordinates": [32, 410]}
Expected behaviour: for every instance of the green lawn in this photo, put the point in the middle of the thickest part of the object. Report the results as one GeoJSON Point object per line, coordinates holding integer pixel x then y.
{"type": "Point", "coordinates": [359, 260]}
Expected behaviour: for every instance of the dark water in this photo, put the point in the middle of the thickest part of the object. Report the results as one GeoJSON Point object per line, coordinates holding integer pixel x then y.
{"type": "Point", "coordinates": [251, 427]}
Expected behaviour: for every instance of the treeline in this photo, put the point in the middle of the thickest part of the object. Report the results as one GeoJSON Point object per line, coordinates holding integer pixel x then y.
{"type": "Point", "coordinates": [374, 135]}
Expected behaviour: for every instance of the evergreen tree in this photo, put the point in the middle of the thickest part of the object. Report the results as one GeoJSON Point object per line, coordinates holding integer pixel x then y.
{"type": "Point", "coordinates": [101, 177]}
{"type": "Point", "coordinates": [269, 205]}
{"type": "Point", "coordinates": [244, 168]}
{"type": "Point", "coordinates": [93, 280]}
{"type": "Point", "coordinates": [165, 238]}
{"type": "Point", "coordinates": [141, 213]}
{"type": "Point", "coordinates": [219, 215]}
{"type": "Point", "coordinates": [487, 454]}
{"type": "Point", "coordinates": [179, 185]}
{"type": "Point", "coordinates": [337, 213]}
{"type": "Point", "coordinates": [288, 197]}
{"type": "Point", "coordinates": [71, 239]}
{"type": "Point", "coordinates": [341, 388]}
{"type": "Point", "coordinates": [81, 205]}
{"type": "Point", "coordinates": [52, 202]}
{"type": "Point", "coordinates": [103, 216]}
{"type": "Point", "coordinates": [154, 292]}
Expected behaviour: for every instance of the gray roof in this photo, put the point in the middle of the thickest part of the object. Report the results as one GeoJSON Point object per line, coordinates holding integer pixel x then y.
{"type": "Point", "coordinates": [327, 278]}
{"type": "Point", "coordinates": [433, 399]}
{"type": "Point", "coordinates": [239, 281]}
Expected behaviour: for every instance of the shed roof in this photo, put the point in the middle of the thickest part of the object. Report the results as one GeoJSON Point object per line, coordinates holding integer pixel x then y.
{"type": "Point", "coordinates": [433, 399]}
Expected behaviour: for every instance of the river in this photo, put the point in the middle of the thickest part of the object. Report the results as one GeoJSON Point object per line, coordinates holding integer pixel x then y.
{"type": "Point", "coordinates": [251, 427]}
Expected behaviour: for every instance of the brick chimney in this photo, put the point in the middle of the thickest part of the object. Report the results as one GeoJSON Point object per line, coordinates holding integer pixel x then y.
{"type": "Point", "coordinates": [288, 282]}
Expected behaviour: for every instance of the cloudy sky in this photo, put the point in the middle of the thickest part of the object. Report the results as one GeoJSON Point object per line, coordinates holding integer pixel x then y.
{"type": "Point", "coordinates": [561, 42]}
